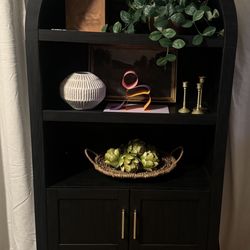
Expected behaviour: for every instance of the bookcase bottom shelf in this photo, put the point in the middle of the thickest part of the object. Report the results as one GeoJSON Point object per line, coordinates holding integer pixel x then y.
{"type": "Point", "coordinates": [179, 178]}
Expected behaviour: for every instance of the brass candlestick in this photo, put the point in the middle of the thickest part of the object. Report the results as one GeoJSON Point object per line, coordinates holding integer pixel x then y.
{"type": "Point", "coordinates": [201, 81]}
{"type": "Point", "coordinates": [184, 109]}
{"type": "Point", "coordinates": [198, 109]}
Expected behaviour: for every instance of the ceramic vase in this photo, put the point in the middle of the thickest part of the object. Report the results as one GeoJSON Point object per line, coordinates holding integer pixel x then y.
{"type": "Point", "coordinates": [82, 90]}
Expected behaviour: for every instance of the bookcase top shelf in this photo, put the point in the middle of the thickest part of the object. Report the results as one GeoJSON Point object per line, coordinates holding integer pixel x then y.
{"type": "Point", "coordinates": [61, 35]}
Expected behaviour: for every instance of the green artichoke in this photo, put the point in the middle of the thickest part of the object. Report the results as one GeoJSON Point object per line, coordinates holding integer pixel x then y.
{"type": "Point", "coordinates": [149, 160]}
{"type": "Point", "coordinates": [129, 163]}
{"type": "Point", "coordinates": [112, 157]}
{"type": "Point", "coordinates": [136, 147]}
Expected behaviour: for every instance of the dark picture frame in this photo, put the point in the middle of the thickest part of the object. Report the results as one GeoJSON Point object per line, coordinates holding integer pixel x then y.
{"type": "Point", "coordinates": [110, 63]}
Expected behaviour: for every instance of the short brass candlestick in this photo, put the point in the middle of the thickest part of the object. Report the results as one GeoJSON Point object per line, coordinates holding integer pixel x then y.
{"type": "Point", "coordinates": [184, 109]}
{"type": "Point", "coordinates": [198, 109]}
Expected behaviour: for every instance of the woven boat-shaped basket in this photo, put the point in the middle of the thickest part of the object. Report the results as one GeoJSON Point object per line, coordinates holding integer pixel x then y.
{"type": "Point", "coordinates": [167, 164]}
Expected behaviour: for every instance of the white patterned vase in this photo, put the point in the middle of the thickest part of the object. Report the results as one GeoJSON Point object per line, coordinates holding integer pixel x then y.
{"type": "Point", "coordinates": [82, 90]}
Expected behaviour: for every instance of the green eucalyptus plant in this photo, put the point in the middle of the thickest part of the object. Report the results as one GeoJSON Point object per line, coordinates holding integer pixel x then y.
{"type": "Point", "coordinates": [165, 18]}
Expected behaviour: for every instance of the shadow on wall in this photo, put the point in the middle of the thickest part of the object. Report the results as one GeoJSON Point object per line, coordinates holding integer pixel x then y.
{"type": "Point", "coordinates": [4, 237]}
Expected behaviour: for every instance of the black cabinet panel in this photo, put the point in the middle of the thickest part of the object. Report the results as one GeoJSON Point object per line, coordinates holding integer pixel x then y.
{"type": "Point", "coordinates": [86, 219]}
{"type": "Point", "coordinates": [169, 219]}
{"type": "Point", "coordinates": [89, 247]}
{"type": "Point", "coordinates": [157, 216]}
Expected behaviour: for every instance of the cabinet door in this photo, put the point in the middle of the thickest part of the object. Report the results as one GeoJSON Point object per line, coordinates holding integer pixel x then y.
{"type": "Point", "coordinates": [83, 219]}
{"type": "Point", "coordinates": [169, 220]}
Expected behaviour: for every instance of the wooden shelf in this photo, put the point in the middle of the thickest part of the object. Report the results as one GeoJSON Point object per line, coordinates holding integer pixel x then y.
{"type": "Point", "coordinates": [62, 35]}
{"type": "Point", "coordinates": [183, 177]}
{"type": "Point", "coordinates": [98, 116]}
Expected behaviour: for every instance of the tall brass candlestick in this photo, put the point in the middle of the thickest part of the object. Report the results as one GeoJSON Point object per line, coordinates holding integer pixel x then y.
{"type": "Point", "coordinates": [201, 80]}
{"type": "Point", "coordinates": [198, 109]}
{"type": "Point", "coordinates": [184, 109]}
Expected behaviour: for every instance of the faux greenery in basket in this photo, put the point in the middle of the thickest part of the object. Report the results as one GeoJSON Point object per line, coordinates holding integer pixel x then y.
{"type": "Point", "coordinates": [133, 157]}
{"type": "Point", "coordinates": [165, 18]}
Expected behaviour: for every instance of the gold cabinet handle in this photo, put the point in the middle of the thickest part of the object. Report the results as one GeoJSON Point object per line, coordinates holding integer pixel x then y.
{"type": "Point", "coordinates": [123, 224]}
{"type": "Point", "coordinates": [134, 225]}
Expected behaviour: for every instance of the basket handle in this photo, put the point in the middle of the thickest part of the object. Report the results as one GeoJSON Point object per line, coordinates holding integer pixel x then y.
{"type": "Point", "coordinates": [87, 151]}
{"type": "Point", "coordinates": [180, 155]}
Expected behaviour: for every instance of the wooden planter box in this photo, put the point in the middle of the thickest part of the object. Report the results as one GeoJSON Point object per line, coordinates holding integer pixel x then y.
{"type": "Point", "coordinates": [88, 15]}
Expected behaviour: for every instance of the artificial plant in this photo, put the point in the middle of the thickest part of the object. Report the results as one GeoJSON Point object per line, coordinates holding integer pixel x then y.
{"type": "Point", "coordinates": [165, 18]}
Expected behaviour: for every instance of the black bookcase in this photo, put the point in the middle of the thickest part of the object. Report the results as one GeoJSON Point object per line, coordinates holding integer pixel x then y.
{"type": "Point", "coordinates": [76, 207]}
